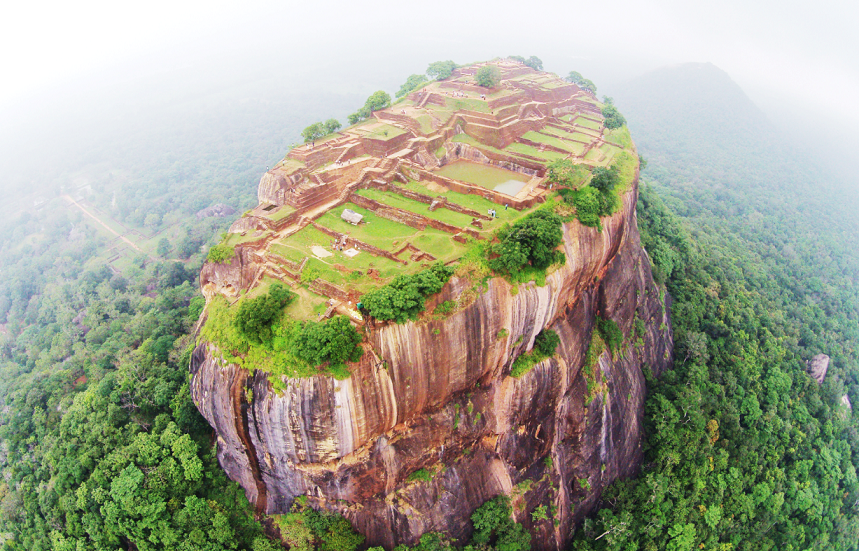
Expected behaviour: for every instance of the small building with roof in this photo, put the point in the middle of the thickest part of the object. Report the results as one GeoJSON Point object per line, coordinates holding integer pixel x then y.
{"type": "Point", "coordinates": [352, 217]}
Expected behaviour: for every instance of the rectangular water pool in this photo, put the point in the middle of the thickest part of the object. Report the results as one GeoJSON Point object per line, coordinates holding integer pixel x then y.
{"type": "Point", "coordinates": [483, 175]}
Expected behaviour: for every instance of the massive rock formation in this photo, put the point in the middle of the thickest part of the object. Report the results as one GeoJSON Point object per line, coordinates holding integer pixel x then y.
{"type": "Point", "coordinates": [437, 395]}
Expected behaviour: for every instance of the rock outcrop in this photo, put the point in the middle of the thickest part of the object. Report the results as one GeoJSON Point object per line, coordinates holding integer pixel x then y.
{"type": "Point", "coordinates": [436, 396]}
{"type": "Point", "coordinates": [218, 210]}
{"type": "Point", "coordinates": [817, 367]}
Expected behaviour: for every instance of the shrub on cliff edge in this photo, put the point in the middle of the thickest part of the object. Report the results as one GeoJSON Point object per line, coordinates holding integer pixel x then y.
{"type": "Point", "coordinates": [404, 298]}
{"type": "Point", "coordinates": [221, 253]}
{"type": "Point", "coordinates": [529, 242]}
{"type": "Point", "coordinates": [545, 344]}
{"type": "Point", "coordinates": [255, 316]}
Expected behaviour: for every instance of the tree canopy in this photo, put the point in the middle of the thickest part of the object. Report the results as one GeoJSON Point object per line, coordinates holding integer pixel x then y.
{"type": "Point", "coordinates": [576, 78]}
{"type": "Point", "coordinates": [529, 241]}
{"type": "Point", "coordinates": [255, 316]}
{"type": "Point", "coordinates": [488, 76]}
{"type": "Point", "coordinates": [377, 100]}
{"type": "Point", "coordinates": [613, 118]}
{"type": "Point", "coordinates": [441, 70]}
{"type": "Point", "coordinates": [411, 83]}
{"type": "Point", "coordinates": [404, 298]}
{"type": "Point", "coordinates": [533, 61]}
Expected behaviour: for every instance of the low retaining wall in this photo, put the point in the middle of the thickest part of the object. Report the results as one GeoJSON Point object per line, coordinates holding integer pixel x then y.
{"type": "Point", "coordinates": [322, 287]}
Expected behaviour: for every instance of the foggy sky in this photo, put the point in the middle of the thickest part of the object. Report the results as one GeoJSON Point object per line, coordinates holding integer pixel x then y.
{"type": "Point", "coordinates": [794, 59]}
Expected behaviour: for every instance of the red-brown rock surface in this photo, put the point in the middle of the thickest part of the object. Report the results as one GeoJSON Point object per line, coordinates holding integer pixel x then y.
{"type": "Point", "coordinates": [351, 444]}
{"type": "Point", "coordinates": [436, 394]}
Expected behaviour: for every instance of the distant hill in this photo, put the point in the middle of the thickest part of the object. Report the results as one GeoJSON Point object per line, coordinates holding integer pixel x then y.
{"type": "Point", "coordinates": [694, 121]}
{"type": "Point", "coordinates": [696, 118]}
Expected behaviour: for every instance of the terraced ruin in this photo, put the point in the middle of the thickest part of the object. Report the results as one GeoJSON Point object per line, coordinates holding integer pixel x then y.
{"type": "Point", "coordinates": [449, 163]}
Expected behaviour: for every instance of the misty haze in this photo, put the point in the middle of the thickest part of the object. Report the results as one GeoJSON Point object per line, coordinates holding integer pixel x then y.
{"type": "Point", "coordinates": [424, 277]}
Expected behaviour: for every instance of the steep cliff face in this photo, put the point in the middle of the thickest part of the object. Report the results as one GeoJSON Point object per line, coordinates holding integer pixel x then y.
{"type": "Point", "coordinates": [437, 395]}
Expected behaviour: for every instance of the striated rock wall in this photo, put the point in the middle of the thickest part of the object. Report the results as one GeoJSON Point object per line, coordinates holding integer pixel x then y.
{"type": "Point", "coordinates": [436, 395]}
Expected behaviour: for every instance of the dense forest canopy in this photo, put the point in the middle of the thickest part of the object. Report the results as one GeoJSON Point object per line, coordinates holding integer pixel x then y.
{"type": "Point", "coordinates": [101, 446]}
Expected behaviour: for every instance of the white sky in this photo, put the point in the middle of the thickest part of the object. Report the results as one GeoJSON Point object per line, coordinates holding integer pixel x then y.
{"type": "Point", "coordinates": [780, 52]}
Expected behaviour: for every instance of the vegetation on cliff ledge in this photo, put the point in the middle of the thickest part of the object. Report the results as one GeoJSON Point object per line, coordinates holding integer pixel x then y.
{"type": "Point", "coordinates": [259, 334]}
{"type": "Point", "coordinates": [530, 242]}
{"type": "Point", "coordinates": [404, 298]}
{"type": "Point", "coordinates": [545, 344]}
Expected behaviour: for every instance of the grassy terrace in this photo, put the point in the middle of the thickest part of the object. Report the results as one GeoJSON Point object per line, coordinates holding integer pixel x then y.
{"type": "Point", "coordinates": [298, 245]}
{"type": "Point", "coordinates": [572, 147]}
{"type": "Point", "coordinates": [534, 152]}
{"type": "Point", "coordinates": [380, 131]}
{"type": "Point", "coordinates": [234, 239]}
{"type": "Point", "coordinates": [389, 235]}
{"type": "Point", "coordinates": [278, 213]}
{"type": "Point", "coordinates": [400, 202]}
{"type": "Point", "coordinates": [564, 134]}
{"type": "Point", "coordinates": [482, 175]}
{"type": "Point", "coordinates": [587, 123]}
{"type": "Point", "coordinates": [475, 202]}
{"type": "Point", "coordinates": [609, 151]}
{"type": "Point", "coordinates": [469, 104]}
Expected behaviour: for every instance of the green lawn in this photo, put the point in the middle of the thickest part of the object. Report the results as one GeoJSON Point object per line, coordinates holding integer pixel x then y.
{"type": "Point", "coordinates": [619, 136]}
{"type": "Point", "coordinates": [593, 155]}
{"type": "Point", "coordinates": [426, 123]}
{"type": "Point", "coordinates": [609, 151]}
{"type": "Point", "coordinates": [400, 202]}
{"type": "Point", "coordinates": [374, 230]}
{"type": "Point", "coordinates": [470, 104]}
{"type": "Point", "coordinates": [389, 236]}
{"type": "Point", "coordinates": [480, 174]}
{"type": "Point", "coordinates": [552, 84]}
{"type": "Point", "coordinates": [307, 306]}
{"type": "Point", "coordinates": [385, 132]}
{"type": "Point", "coordinates": [297, 246]}
{"type": "Point", "coordinates": [558, 132]}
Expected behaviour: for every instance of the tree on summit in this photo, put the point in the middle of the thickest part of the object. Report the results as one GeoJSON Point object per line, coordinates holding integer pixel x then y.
{"type": "Point", "coordinates": [332, 126]}
{"type": "Point", "coordinates": [441, 70]}
{"type": "Point", "coordinates": [413, 82]}
{"type": "Point", "coordinates": [576, 78]}
{"type": "Point", "coordinates": [313, 132]}
{"type": "Point", "coordinates": [377, 100]}
{"type": "Point", "coordinates": [533, 62]}
{"type": "Point", "coordinates": [488, 76]}
{"type": "Point", "coordinates": [613, 118]}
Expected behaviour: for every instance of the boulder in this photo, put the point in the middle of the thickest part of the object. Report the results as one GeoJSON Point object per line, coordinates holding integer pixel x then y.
{"type": "Point", "coordinates": [817, 367]}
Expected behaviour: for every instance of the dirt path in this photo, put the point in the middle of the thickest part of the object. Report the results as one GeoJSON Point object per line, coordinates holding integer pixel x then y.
{"type": "Point", "coordinates": [105, 226]}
